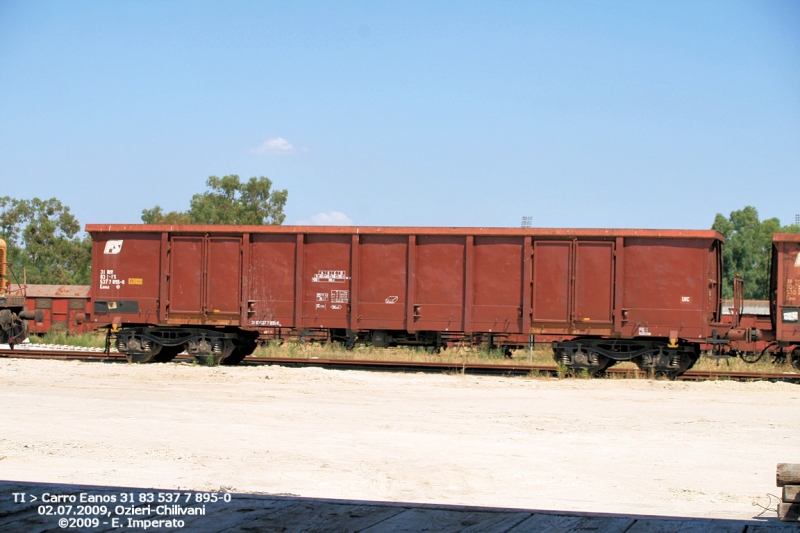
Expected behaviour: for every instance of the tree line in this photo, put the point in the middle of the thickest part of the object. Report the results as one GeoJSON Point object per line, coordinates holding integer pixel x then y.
{"type": "Point", "coordinates": [43, 235]}
{"type": "Point", "coordinates": [43, 238]}
{"type": "Point", "coordinates": [748, 250]}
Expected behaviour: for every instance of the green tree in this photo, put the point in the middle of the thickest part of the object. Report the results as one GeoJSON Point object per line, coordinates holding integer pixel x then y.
{"type": "Point", "coordinates": [748, 250]}
{"type": "Point", "coordinates": [228, 201]}
{"type": "Point", "coordinates": [42, 239]}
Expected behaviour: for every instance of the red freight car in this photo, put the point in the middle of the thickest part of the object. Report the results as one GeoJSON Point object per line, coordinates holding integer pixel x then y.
{"type": "Point", "coordinates": [755, 327]}
{"type": "Point", "coordinates": [750, 319]}
{"type": "Point", "coordinates": [785, 294]}
{"type": "Point", "coordinates": [59, 308]}
{"type": "Point", "coordinates": [645, 295]}
{"type": "Point", "coordinates": [64, 308]}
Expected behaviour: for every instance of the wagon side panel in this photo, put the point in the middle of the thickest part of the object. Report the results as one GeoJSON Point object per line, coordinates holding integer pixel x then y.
{"type": "Point", "coordinates": [326, 281]}
{"type": "Point", "coordinates": [187, 254]}
{"type": "Point", "coordinates": [272, 280]}
{"type": "Point", "coordinates": [665, 288]}
{"type": "Point", "coordinates": [439, 278]}
{"type": "Point", "coordinates": [382, 276]}
{"type": "Point", "coordinates": [44, 307]}
{"type": "Point", "coordinates": [594, 286]}
{"type": "Point", "coordinates": [224, 283]}
{"type": "Point", "coordinates": [551, 285]}
{"type": "Point", "coordinates": [497, 285]}
{"type": "Point", "coordinates": [126, 278]}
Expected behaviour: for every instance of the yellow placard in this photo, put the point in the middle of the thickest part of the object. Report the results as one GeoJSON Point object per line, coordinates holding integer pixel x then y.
{"type": "Point", "coordinates": [134, 281]}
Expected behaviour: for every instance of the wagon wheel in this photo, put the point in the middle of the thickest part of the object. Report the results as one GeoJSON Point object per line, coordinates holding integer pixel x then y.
{"type": "Point", "coordinates": [238, 354]}
{"type": "Point", "coordinates": [140, 357]}
{"type": "Point", "coordinates": [577, 370]}
{"type": "Point", "coordinates": [796, 358]}
{"type": "Point", "coordinates": [603, 363]}
{"type": "Point", "coordinates": [167, 353]}
{"type": "Point", "coordinates": [671, 375]}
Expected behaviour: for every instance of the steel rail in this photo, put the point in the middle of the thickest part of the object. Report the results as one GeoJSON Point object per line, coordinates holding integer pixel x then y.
{"type": "Point", "coordinates": [469, 368]}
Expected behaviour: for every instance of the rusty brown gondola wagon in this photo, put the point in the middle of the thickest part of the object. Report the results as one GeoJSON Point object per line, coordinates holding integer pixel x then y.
{"type": "Point", "coordinates": [651, 296]}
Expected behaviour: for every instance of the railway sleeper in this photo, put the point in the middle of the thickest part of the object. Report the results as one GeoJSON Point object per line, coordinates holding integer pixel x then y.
{"type": "Point", "coordinates": [596, 355]}
{"type": "Point", "coordinates": [142, 345]}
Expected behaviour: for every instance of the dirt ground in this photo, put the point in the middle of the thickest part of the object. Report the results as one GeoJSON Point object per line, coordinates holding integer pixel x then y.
{"type": "Point", "coordinates": [622, 446]}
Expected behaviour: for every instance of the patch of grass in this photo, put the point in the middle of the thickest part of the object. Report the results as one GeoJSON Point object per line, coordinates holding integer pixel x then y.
{"type": "Point", "coordinates": [461, 355]}
{"type": "Point", "coordinates": [90, 340]}
{"type": "Point", "coordinates": [735, 364]}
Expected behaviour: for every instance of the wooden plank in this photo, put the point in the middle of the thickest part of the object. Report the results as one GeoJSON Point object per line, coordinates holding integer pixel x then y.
{"type": "Point", "coordinates": [239, 515]}
{"type": "Point", "coordinates": [775, 527]}
{"type": "Point", "coordinates": [220, 515]}
{"type": "Point", "coordinates": [694, 525]}
{"type": "Point", "coordinates": [789, 512]}
{"type": "Point", "coordinates": [567, 524]}
{"type": "Point", "coordinates": [791, 494]}
{"type": "Point", "coordinates": [444, 521]}
{"type": "Point", "coordinates": [788, 474]}
{"type": "Point", "coordinates": [310, 516]}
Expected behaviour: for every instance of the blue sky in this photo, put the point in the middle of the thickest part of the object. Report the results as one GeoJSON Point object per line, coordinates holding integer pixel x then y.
{"type": "Point", "coordinates": [578, 114]}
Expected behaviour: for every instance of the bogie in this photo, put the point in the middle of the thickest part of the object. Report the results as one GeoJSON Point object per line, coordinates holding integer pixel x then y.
{"type": "Point", "coordinates": [596, 355]}
{"type": "Point", "coordinates": [162, 344]}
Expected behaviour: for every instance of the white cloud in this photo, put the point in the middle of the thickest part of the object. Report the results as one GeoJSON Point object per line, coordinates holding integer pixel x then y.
{"type": "Point", "coordinates": [275, 146]}
{"type": "Point", "coordinates": [331, 218]}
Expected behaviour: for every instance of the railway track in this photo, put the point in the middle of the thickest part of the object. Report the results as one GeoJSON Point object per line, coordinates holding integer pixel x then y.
{"type": "Point", "coordinates": [398, 366]}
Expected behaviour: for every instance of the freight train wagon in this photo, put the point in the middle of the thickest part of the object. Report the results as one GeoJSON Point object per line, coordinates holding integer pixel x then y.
{"type": "Point", "coordinates": [59, 308]}
{"type": "Point", "coordinates": [785, 297]}
{"type": "Point", "coordinates": [756, 328]}
{"type": "Point", "coordinates": [749, 316]}
{"type": "Point", "coordinates": [650, 296]}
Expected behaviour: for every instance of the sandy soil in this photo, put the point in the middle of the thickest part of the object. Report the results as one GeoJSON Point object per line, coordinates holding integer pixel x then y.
{"type": "Point", "coordinates": [623, 446]}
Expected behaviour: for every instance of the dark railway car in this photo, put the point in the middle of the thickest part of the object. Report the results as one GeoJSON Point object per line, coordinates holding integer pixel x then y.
{"type": "Point", "coordinates": [644, 295]}
{"type": "Point", "coordinates": [13, 314]}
